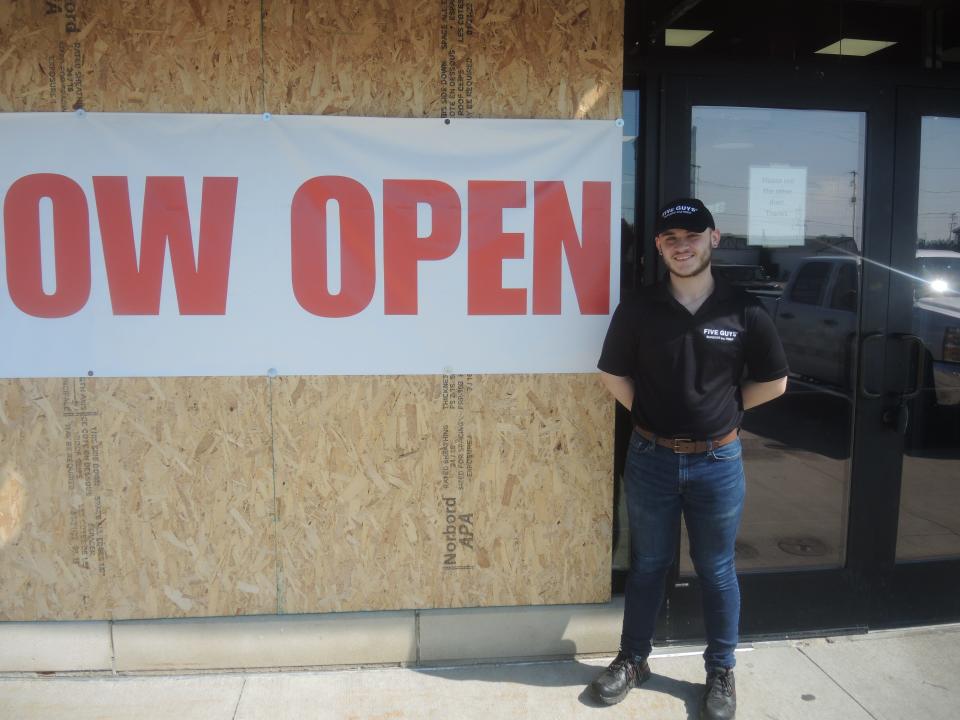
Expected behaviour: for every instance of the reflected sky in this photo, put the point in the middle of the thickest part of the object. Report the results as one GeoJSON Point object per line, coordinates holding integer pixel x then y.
{"type": "Point", "coordinates": [939, 207]}
{"type": "Point", "coordinates": [631, 128]}
{"type": "Point", "coordinates": [829, 146]}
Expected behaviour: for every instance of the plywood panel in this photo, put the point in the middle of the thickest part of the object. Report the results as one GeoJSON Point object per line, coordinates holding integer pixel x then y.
{"type": "Point", "coordinates": [36, 59]}
{"type": "Point", "coordinates": [373, 58]}
{"type": "Point", "coordinates": [195, 527]}
{"type": "Point", "coordinates": [201, 56]}
{"type": "Point", "coordinates": [540, 491]}
{"type": "Point", "coordinates": [399, 492]}
{"type": "Point", "coordinates": [55, 509]}
{"type": "Point", "coordinates": [126, 56]}
{"type": "Point", "coordinates": [560, 59]}
{"type": "Point", "coordinates": [147, 498]}
{"type": "Point", "coordinates": [140, 498]}
{"type": "Point", "coordinates": [414, 58]}
{"type": "Point", "coordinates": [454, 58]}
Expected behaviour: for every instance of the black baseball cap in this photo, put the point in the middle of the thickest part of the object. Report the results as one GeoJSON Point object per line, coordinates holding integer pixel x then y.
{"type": "Point", "coordinates": [683, 213]}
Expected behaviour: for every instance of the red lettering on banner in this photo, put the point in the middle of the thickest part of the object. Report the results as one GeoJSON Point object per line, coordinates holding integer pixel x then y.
{"type": "Point", "coordinates": [201, 279]}
{"type": "Point", "coordinates": [201, 282]}
{"type": "Point", "coordinates": [488, 246]}
{"type": "Point", "coordinates": [589, 261]}
{"type": "Point", "coordinates": [71, 242]}
{"type": "Point", "coordinates": [403, 248]}
{"type": "Point", "coordinates": [308, 238]}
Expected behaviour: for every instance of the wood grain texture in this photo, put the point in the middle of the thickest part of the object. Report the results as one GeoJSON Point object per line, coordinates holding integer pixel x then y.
{"type": "Point", "coordinates": [392, 495]}
{"type": "Point", "coordinates": [126, 56]}
{"type": "Point", "coordinates": [546, 59]}
{"type": "Point", "coordinates": [195, 528]}
{"type": "Point", "coordinates": [141, 498]}
{"type": "Point", "coordinates": [374, 58]}
{"type": "Point", "coordinates": [134, 498]}
{"type": "Point", "coordinates": [198, 56]}
{"type": "Point", "coordinates": [418, 58]}
{"type": "Point", "coordinates": [30, 59]}
{"type": "Point", "coordinates": [53, 561]}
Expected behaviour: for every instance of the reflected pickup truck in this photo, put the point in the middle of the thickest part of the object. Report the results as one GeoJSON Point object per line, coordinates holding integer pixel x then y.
{"type": "Point", "coordinates": [936, 321]}
{"type": "Point", "coordinates": [816, 317]}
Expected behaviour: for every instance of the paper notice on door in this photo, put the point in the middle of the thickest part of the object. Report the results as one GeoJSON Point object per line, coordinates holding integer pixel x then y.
{"type": "Point", "coordinates": [778, 206]}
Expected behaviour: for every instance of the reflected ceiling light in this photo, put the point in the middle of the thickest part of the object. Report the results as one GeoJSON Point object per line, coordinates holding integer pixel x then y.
{"type": "Point", "coordinates": [685, 38]}
{"type": "Point", "coordinates": [939, 286]}
{"type": "Point", "coordinates": [854, 48]}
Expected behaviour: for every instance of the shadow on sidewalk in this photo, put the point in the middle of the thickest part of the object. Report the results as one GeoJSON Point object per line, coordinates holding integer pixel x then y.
{"type": "Point", "coordinates": [567, 673]}
{"type": "Point", "coordinates": [688, 692]}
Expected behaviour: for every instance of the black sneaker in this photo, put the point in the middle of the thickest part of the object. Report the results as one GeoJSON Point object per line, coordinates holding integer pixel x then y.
{"type": "Point", "coordinates": [613, 684]}
{"type": "Point", "coordinates": [720, 698]}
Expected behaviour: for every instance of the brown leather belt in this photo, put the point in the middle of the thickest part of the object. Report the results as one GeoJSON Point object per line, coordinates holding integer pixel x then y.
{"type": "Point", "coordinates": [689, 445]}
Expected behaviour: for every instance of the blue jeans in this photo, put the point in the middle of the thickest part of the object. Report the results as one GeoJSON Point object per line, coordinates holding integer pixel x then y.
{"type": "Point", "coordinates": [708, 488]}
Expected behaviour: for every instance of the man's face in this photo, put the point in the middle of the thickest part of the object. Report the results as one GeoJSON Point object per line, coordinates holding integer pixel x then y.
{"type": "Point", "coordinates": [687, 253]}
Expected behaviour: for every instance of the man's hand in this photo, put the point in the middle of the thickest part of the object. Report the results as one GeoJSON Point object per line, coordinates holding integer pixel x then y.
{"type": "Point", "coordinates": [757, 393]}
{"type": "Point", "coordinates": [620, 387]}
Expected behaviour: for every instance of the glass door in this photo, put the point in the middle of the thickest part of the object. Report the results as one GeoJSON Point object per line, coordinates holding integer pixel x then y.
{"type": "Point", "coordinates": [838, 206]}
{"type": "Point", "coordinates": [925, 371]}
{"type": "Point", "coordinates": [783, 186]}
{"type": "Point", "coordinates": [795, 175]}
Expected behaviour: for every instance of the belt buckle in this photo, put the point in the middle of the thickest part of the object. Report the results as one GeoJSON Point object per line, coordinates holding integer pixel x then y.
{"type": "Point", "coordinates": [676, 445]}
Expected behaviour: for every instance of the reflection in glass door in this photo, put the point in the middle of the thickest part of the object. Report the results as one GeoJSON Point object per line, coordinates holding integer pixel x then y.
{"type": "Point", "coordinates": [630, 263]}
{"type": "Point", "coordinates": [784, 187]}
{"type": "Point", "coordinates": [929, 522]}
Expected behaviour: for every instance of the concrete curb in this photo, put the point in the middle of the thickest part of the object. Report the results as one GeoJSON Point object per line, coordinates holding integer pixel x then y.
{"type": "Point", "coordinates": [305, 641]}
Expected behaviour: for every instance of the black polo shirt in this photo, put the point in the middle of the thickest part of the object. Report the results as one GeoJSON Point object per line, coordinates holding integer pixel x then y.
{"type": "Point", "coordinates": [687, 368]}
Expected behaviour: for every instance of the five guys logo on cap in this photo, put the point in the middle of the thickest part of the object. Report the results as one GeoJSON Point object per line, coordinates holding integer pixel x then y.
{"type": "Point", "coordinates": [678, 209]}
{"type": "Point", "coordinates": [683, 214]}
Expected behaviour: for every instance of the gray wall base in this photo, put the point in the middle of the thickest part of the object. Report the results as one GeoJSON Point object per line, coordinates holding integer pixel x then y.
{"type": "Point", "coordinates": [425, 637]}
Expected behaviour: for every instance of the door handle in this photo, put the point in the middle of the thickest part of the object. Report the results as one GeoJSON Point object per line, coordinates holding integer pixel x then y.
{"type": "Point", "coordinates": [831, 323]}
{"type": "Point", "coordinates": [917, 344]}
{"type": "Point", "coordinates": [865, 342]}
{"type": "Point", "coordinates": [786, 316]}
{"type": "Point", "coordinates": [897, 418]}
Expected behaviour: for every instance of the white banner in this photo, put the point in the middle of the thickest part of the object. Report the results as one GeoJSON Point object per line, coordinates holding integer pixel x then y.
{"type": "Point", "coordinates": [158, 245]}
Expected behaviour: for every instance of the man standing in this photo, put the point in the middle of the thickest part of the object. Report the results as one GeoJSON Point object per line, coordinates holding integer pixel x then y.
{"type": "Point", "coordinates": [687, 357]}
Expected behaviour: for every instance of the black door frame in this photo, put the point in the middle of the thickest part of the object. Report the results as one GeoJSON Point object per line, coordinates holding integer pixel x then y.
{"type": "Point", "coordinates": [922, 591]}
{"type": "Point", "coordinates": [871, 590]}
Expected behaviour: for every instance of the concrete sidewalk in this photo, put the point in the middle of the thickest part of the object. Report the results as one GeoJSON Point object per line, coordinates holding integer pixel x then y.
{"type": "Point", "coordinates": [904, 675]}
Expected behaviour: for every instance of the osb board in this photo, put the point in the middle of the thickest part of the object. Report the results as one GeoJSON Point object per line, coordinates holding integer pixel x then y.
{"type": "Point", "coordinates": [409, 58]}
{"type": "Point", "coordinates": [452, 58]}
{"type": "Point", "coordinates": [450, 491]}
{"type": "Point", "coordinates": [560, 59]}
{"type": "Point", "coordinates": [135, 498]}
{"type": "Point", "coordinates": [32, 57]}
{"type": "Point", "coordinates": [197, 56]}
{"type": "Point", "coordinates": [128, 56]}
{"type": "Point", "coordinates": [181, 532]}
{"type": "Point", "coordinates": [53, 504]}
{"type": "Point", "coordinates": [351, 58]}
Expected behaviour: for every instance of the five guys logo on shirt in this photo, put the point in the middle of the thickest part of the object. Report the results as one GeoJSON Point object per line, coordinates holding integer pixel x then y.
{"type": "Point", "coordinates": [721, 335]}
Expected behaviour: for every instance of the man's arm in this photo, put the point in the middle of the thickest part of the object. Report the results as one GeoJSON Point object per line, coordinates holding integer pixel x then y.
{"type": "Point", "coordinates": [620, 387]}
{"type": "Point", "coordinates": [757, 393]}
